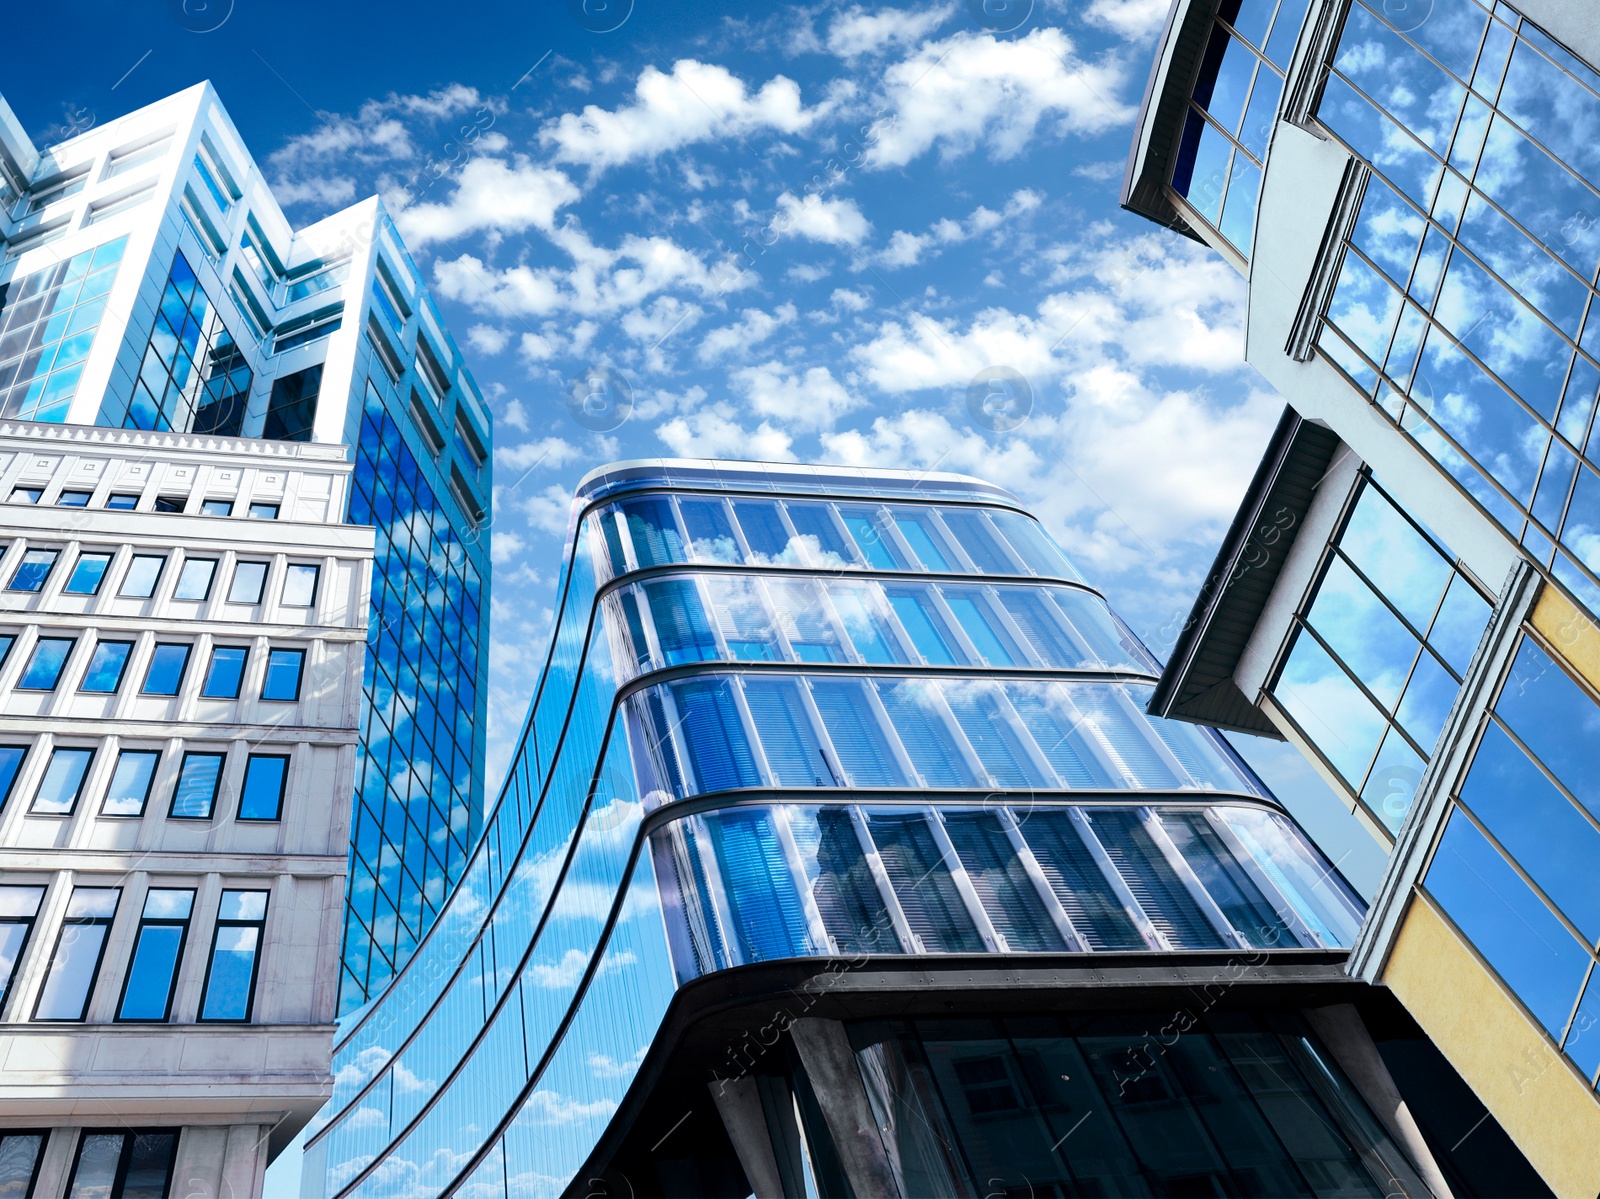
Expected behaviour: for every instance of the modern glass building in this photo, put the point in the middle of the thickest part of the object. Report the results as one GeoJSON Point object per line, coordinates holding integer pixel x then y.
{"type": "Point", "coordinates": [1409, 592]}
{"type": "Point", "coordinates": [151, 282]}
{"type": "Point", "coordinates": [839, 856]}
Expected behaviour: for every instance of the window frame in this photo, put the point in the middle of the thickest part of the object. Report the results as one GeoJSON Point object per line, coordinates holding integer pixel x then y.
{"type": "Point", "coordinates": [44, 579]}
{"type": "Point", "coordinates": [77, 792]}
{"type": "Point", "coordinates": [22, 684]}
{"type": "Point", "coordinates": [122, 671]}
{"type": "Point", "coordinates": [32, 924]}
{"type": "Point", "coordinates": [289, 573]}
{"type": "Point", "coordinates": [85, 556]}
{"type": "Point", "coordinates": [119, 1180]}
{"type": "Point", "coordinates": [255, 963]}
{"type": "Point", "coordinates": [261, 588]}
{"type": "Point", "coordinates": [207, 504]}
{"type": "Point", "coordinates": [221, 759]}
{"type": "Point", "coordinates": [252, 514]}
{"type": "Point", "coordinates": [145, 921]}
{"type": "Point", "coordinates": [299, 675]}
{"type": "Point", "coordinates": [183, 671]}
{"type": "Point", "coordinates": [165, 504]}
{"type": "Point", "coordinates": [211, 666]}
{"type": "Point", "coordinates": [127, 576]}
{"type": "Point", "coordinates": [283, 786]}
{"type": "Point", "coordinates": [100, 958]}
{"type": "Point", "coordinates": [149, 787]}
{"type": "Point", "coordinates": [61, 500]}
{"type": "Point", "coordinates": [211, 579]}
{"type": "Point", "coordinates": [38, 1159]}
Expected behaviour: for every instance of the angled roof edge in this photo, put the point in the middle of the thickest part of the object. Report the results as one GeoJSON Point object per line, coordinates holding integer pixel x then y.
{"type": "Point", "coordinates": [1160, 122]}
{"type": "Point", "coordinates": [1197, 684]}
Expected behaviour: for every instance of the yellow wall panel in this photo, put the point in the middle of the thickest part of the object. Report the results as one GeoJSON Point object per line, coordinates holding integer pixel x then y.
{"type": "Point", "coordinates": [1572, 633]}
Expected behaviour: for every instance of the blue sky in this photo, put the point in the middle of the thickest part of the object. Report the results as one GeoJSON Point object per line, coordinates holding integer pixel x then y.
{"type": "Point", "coordinates": [791, 232]}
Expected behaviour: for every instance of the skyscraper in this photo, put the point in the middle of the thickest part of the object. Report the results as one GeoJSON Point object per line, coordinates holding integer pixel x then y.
{"type": "Point", "coordinates": [1409, 591]}
{"type": "Point", "coordinates": [150, 281]}
{"type": "Point", "coordinates": [839, 856]}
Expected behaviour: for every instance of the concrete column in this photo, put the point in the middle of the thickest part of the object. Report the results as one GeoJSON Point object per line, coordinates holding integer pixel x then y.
{"type": "Point", "coordinates": [1345, 1034]}
{"type": "Point", "coordinates": [739, 1104]}
{"type": "Point", "coordinates": [220, 1161]}
{"type": "Point", "coordinates": [831, 1066]}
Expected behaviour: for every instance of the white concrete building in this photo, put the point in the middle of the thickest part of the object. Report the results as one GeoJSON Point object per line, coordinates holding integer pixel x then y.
{"type": "Point", "coordinates": [183, 618]}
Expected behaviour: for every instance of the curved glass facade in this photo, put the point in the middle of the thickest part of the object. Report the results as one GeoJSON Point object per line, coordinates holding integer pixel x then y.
{"type": "Point", "coordinates": [862, 716]}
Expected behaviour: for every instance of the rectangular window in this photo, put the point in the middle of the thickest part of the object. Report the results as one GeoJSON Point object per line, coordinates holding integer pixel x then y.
{"type": "Point", "coordinates": [165, 674]}
{"type": "Point", "coordinates": [157, 950]}
{"type": "Point", "coordinates": [19, 905]}
{"type": "Point", "coordinates": [300, 586]}
{"type": "Point", "coordinates": [26, 495]}
{"type": "Point", "coordinates": [106, 665]}
{"type": "Point", "coordinates": [283, 674]}
{"type": "Point", "coordinates": [112, 1163]}
{"type": "Point", "coordinates": [235, 950]}
{"type": "Point", "coordinates": [11, 757]}
{"type": "Point", "coordinates": [194, 581]}
{"type": "Point", "coordinates": [216, 507]}
{"type": "Point", "coordinates": [225, 673]}
{"type": "Point", "coordinates": [144, 572]}
{"type": "Point", "coordinates": [248, 580]}
{"type": "Point", "coordinates": [74, 499]}
{"type": "Point", "coordinates": [264, 511]}
{"type": "Point", "coordinates": [21, 1151]}
{"type": "Point", "coordinates": [44, 668]}
{"type": "Point", "coordinates": [63, 780]}
{"type": "Point", "coordinates": [122, 503]}
{"type": "Point", "coordinates": [169, 503]}
{"type": "Point", "coordinates": [130, 782]}
{"type": "Point", "coordinates": [88, 573]}
{"type": "Point", "coordinates": [292, 407]}
{"type": "Point", "coordinates": [33, 570]}
{"type": "Point", "coordinates": [76, 961]}
{"type": "Point", "coordinates": [196, 793]}
{"type": "Point", "coordinates": [264, 779]}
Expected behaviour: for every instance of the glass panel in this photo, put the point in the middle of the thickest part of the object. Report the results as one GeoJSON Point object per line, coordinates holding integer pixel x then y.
{"type": "Point", "coordinates": [922, 882]}
{"type": "Point", "coordinates": [95, 1172]}
{"type": "Point", "coordinates": [300, 586]}
{"type": "Point", "coordinates": [978, 621]}
{"type": "Point", "coordinates": [859, 610]}
{"type": "Point", "coordinates": [152, 972]}
{"type": "Point", "coordinates": [63, 779]}
{"type": "Point", "coordinates": [150, 1165]}
{"type": "Point", "coordinates": [1002, 884]}
{"type": "Point", "coordinates": [926, 541]}
{"type": "Point", "coordinates": [714, 735]}
{"type": "Point", "coordinates": [1555, 718]}
{"type": "Point", "coordinates": [710, 531]}
{"type": "Point", "coordinates": [264, 779]}
{"type": "Point", "coordinates": [225, 674]}
{"type": "Point", "coordinates": [19, 1157]}
{"type": "Point", "coordinates": [282, 680]}
{"type": "Point", "coordinates": [787, 738]}
{"type": "Point", "coordinates": [194, 582]}
{"type": "Point", "coordinates": [33, 570]}
{"type": "Point", "coordinates": [921, 620]}
{"type": "Point", "coordinates": [759, 885]}
{"type": "Point", "coordinates": [233, 959]}
{"type": "Point", "coordinates": [1329, 708]}
{"type": "Point", "coordinates": [88, 574]}
{"type": "Point", "coordinates": [853, 728]}
{"type": "Point", "coordinates": [680, 621]}
{"type": "Point", "coordinates": [917, 715]}
{"type": "Point", "coordinates": [130, 783]}
{"type": "Point", "coordinates": [109, 660]}
{"type": "Point", "coordinates": [248, 580]}
{"type": "Point", "coordinates": [841, 882]}
{"type": "Point", "coordinates": [165, 674]}
{"type": "Point", "coordinates": [867, 526]}
{"type": "Point", "coordinates": [196, 791]}
{"type": "Point", "coordinates": [143, 574]}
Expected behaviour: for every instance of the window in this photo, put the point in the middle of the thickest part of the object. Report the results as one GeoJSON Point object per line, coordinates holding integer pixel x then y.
{"type": "Point", "coordinates": [231, 973]}
{"type": "Point", "coordinates": [225, 673]}
{"type": "Point", "coordinates": [88, 573]}
{"type": "Point", "coordinates": [18, 908]}
{"type": "Point", "coordinates": [248, 580]}
{"type": "Point", "coordinates": [26, 495]}
{"type": "Point", "coordinates": [143, 574]}
{"type": "Point", "coordinates": [283, 674]}
{"type": "Point", "coordinates": [300, 586]}
{"type": "Point", "coordinates": [194, 580]}
{"type": "Point", "coordinates": [122, 503]}
{"type": "Point", "coordinates": [264, 511]}
{"type": "Point", "coordinates": [11, 757]}
{"type": "Point", "coordinates": [165, 674]}
{"type": "Point", "coordinates": [196, 793]}
{"type": "Point", "coordinates": [116, 1164]}
{"type": "Point", "coordinates": [33, 570]}
{"type": "Point", "coordinates": [44, 668]}
{"type": "Point", "coordinates": [20, 1155]}
{"type": "Point", "coordinates": [292, 408]}
{"type": "Point", "coordinates": [106, 665]}
{"type": "Point", "coordinates": [130, 782]}
{"type": "Point", "coordinates": [74, 499]}
{"type": "Point", "coordinates": [264, 779]}
{"type": "Point", "coordinates": [169, 503]}
{"type": "Point", "coordinates": [157, 950]}
{"type": "Point", "coordinates": [62, 782]}
{"type": "Point", "coordinates": [216, 507]}
{"type": "Point", "coordinates": [79, 948]}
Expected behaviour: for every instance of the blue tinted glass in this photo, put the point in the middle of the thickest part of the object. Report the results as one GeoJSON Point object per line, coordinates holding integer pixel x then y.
{"type": "Point", "coordinates": [87, 574]}
{"type": "Point", "coordinates": [1239, 211]}
{"type": "Point", "coordinates": [874, 544]}
{"type": "Point", "coordinates": [816, 520]}
{"type": "Point", "coordinates": [715, 736]}
{"type": "Point", "coordinates": [165, 675]}
{"type": "Point", "coordinates": [1583, 1039]}
{"type": "Point", "coordinates": [1459, 625]}
{"type": "Point", "coordinates": [1033, 545]}
{"type": "Point", "coordinates": [44, 668]}
{"type": "Point", "coordinates": [680, 621]}
{"type": "Point", "coordinates": [757, 881]}
{"type": "Point", "coordinates": [262, 798]}
{"type": "Point", "coordinates": [130, 783]}
{"type": "Point", "coordinates": [11, 757]}
{"type": "Point", "coordinates": [654, 531]}
{"type": "Point", "coordinates": [283, 674]}
{"type": "Point", "coordinates": [763, 528]}
{"type": "Point", "coordinates": [1201, 173]}
{"type": "Point", "coordinates": [1392, 783]}
{"type": "Point", "coordinates": [1329, 708]}
{"type": "Point", "coordinates": [1224, 78]}
{"type": "Point", "coordinates": [1556, 719]}
{"type": "Point", "coordinates": [33, 570]}
{"type": "Point", "coordinates": [1285, 30]}
{"type": "Point", "coordinates": [1260, 117]}
{"type": "Point", "coordinates": [857, 738]}
{"type": "Point", "coordinates": [917, 528]}
{"type": "Point", "coordinates": [918, 718]}
{"type": "Point", "coordinates": [787, 737]}
{"type": "Point", "coordinates": [1427, 701]}
{"type": "Point", "coordinates": [1403, 565]}
{"type": "Point", "coordinates": [225, 673]}
{"type": "Point", "coordinates": [975, 620]}
{"type": "Point", "coordinates": [710, 531]}
{"type": "Point", "coordinates": [865, 625]}
{"type": "Point", "coordinates": [924, 625]}
{"type": "Point", "coordinates": [197, 786]}
{"type": "Point", "coordinates": [63, 778]}
{"type": "Point", "coordinates": [233, 961]}
{"type": "Point", "coordinates": [106, 666]}
{"type": "Point", "coordinates": [152, 972]}
{"type": "Point", "coordinates": [1507, 924]}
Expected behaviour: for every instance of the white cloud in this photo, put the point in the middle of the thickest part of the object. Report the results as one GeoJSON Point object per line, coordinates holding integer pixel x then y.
{"type": "Point", "coordinates": [835, 222]}
{"type": "Point", "coordinates": [857, 31]}
{"type": "Point", "coordinates": [515, 416]}
{"type": "Point", "coordinates": [971, 90]}
{"type": "Point", "coordinates": [552, 1107]}
{"type": "Point", "coordinates": [547, 511]}
{"type": "Point", "coordinates": [1134, 20]}
{"type": "Point", "coordinates": [852, 301]}
{"type": "Point", "coordinates": [752, 328]}
{"type": "Point", "coordinates": [547, 451]}
{"type": "Point", "coordinates": [697, 102]}
{"type": "Point", "coordinates": [487, 339]}
{"type": "Point", "coordinates": [490, 196]}
{"type": "Point", "coordinates": [813, 400]}
{"type": "Point", "coordinates": [504, 546]}
{"type": "Point", "coordinates": [714, 432]}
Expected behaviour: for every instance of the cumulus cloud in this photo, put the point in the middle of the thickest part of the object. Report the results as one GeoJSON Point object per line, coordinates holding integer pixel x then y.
{"type": "Point", "coordinates": [752, 328]}
{"type": "Point", "coordinates": [972, 90]}
{"type": "Point", "coordinates": [812, 399]}
{"type": "Point", "coordinates": [490, 196]}
{"type": "Point", "coordinates": [546, 451]}
{"type": "Point", "coordinates": [858, 31]}
{"type": "Point", "coordinates": [696, 102]}
{"type": "Point", "coordinates": [487, 339]}
{"type": "Point", "coordinates": [836, 222]}
{"type": "Point", "coordinates": [1135, 20]}
{"type": "Point", "coordinates": [715, 432]}
{"type": "Point", "coordinates": [907, 249]}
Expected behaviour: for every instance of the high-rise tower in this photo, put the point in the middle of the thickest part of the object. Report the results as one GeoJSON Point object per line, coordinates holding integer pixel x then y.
{"type": "Point", "coordinates": [1409, 593]}
{"type": "Point", "coordinates": [150, 281]}
{"type": "Point", "coordinates": [840, 857]}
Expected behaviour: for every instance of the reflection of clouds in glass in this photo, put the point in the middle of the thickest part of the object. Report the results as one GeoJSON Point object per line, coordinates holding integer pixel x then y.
{"type": "Point", "coordinates": [1340, 721]}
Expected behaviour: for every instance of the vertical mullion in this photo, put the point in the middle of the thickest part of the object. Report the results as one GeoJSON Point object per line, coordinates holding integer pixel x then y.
{"type": "Point", "coordinates": [992, 937]}
{"type": "Point", "coordinates": [802, 882]}
{"type": "Point", "coordinates": [1041, 885]}
{"type": "Point", "coordinates": [1191, 881]}
{"type": "Point", "coordinates": [891, 902]}
{"type": "Point", "coordinates": [1153, 937]}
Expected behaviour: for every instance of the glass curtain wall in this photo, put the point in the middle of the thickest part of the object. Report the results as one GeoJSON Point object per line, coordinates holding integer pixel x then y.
{"type": "Point", "coordinates": [47, 324]}
{"type": "Point", "coordinates": [1378, 652]}
{"type": "Point", "coordinates": [908, 728]}
{"type": "Point", "coordinates": [1464, 306]}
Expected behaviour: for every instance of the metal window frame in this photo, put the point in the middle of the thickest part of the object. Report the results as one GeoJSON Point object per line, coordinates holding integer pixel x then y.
{"type": "Point", "coordinates": [255, 963]}
{"type": "Point", "coordinates": [177, 963]}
